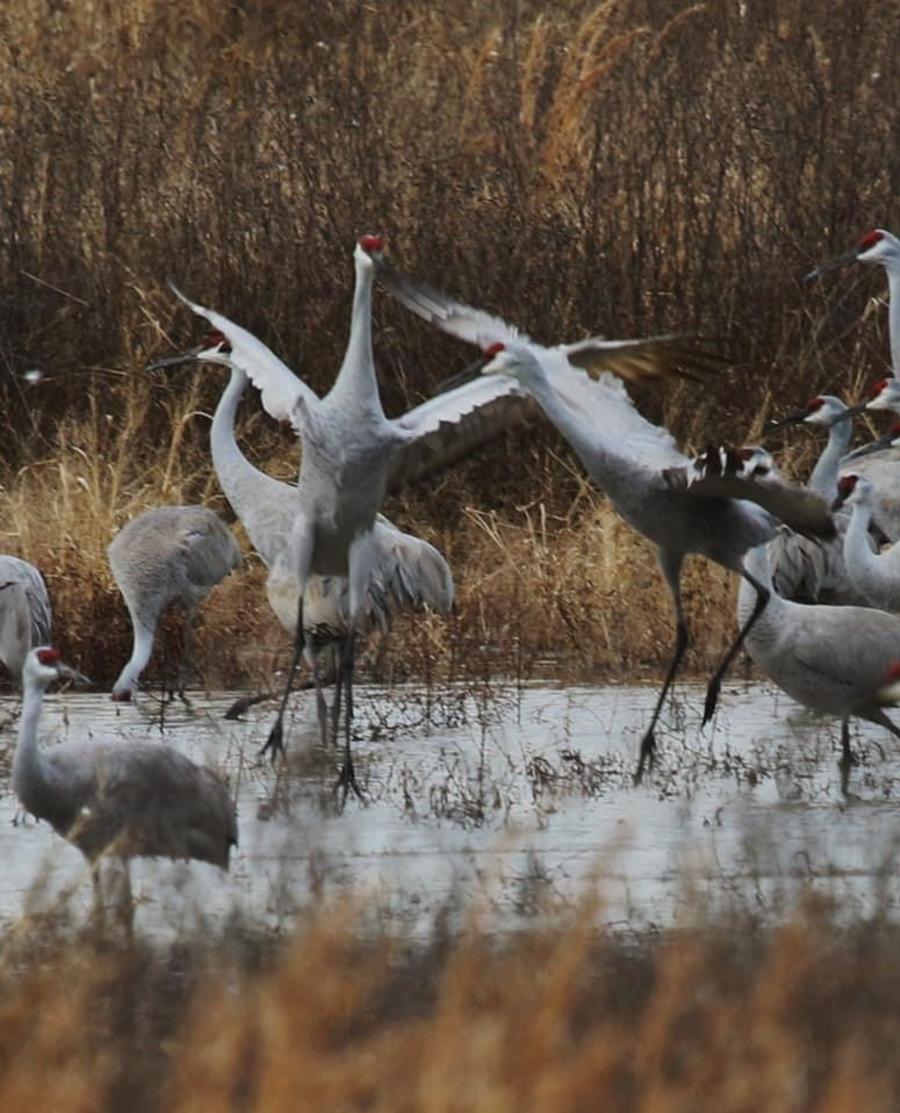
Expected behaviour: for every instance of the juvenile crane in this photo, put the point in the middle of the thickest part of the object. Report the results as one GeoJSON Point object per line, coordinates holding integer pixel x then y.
{"type": "Point", "coordinates": [167, 555]}
{"type": "Point", "coordinates": [652, 485]}
{"type": "Point", "coordinates": [834, 660]}
{"type": "Point", "coordinates": [352, 454]}
{"type": "Point", "coordinates": [117, 799]}
{"type": "Point", "coordinates": [25, 614]}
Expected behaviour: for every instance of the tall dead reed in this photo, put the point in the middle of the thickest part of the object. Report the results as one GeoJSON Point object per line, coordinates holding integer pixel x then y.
{"type": "Point", "coordinates": [621, 168]}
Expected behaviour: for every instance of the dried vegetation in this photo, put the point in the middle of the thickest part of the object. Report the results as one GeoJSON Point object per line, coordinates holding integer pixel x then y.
{"type": "Point", "coordinates": [624, 167]}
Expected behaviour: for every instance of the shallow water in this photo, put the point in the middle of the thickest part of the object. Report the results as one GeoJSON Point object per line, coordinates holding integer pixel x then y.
{"type": "Point", "coordinates": [507, 800]}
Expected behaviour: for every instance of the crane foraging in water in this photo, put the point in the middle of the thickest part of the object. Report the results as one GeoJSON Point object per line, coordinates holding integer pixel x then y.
{"type": "Point", "coordinates": [116, 799]}
{"type": "Point", "coordinates": [170, 554]}
{"type": "Point", "coordinates": [718, 512]}
{"type": "Point", "coordinates": [25, 613]}
{"type": "Point", "coordinates": [352, 454]}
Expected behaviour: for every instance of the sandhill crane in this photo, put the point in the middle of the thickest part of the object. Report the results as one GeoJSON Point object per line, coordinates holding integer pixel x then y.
{"type": "Point", "coordinates": [170, 554]}
{"type": "Point", "coordinates": [25, 614]}
{"type": "Point", "coordinates": [652, 485]}
{"type": "Point", "coordinates": [875, 575]}
{"type": "Point", "coordinates": [882, 249]}
{"type": "Point", "coordinates": [808, 569]}
{"type": "Point", "coordinates": [107, 798]}
{"type": "Point", "coordinates": [352, 454]}
{"type": "Point", "coordinates": [408, 572]}
{"type": "Point", "coordinates": [830, 659]}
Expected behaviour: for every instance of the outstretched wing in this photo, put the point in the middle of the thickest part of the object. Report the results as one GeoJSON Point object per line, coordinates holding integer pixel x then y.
{"type": "Point", "coordinates": [653, 357]}
{"type": "Point", "coordinates": [453, 425]}
{"type": "Point", "coordinates": [633, 360]}
{"type": "Point", "coordinates": [279, 387]}
{"type": "Point", "coordinates": [453, 317]}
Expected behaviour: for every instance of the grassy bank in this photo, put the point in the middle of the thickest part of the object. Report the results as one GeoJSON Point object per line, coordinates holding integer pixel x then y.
{"type": "Point", "coordinates": [725, 1016]}
{"type": "Point", "coordinates": [619, 168]}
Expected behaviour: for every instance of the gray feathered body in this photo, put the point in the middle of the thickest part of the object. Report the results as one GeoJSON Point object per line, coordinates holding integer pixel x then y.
{"type": "Point", "coordinates": [171, 554]}
{"type": "Point", "coordinates": [136, 799]}
{"type": "Point", "coordinates": [25, 613]}
{"type": "Point", "coordinates": [830, 659]}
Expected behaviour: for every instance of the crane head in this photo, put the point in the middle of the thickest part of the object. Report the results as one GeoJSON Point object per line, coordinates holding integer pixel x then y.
{"type": "Point", "coordinates": [851, 489]}
{"type": "Point", "coordinates": [874, 246]}
{"type": "Point", "coordinates": [44, 664]}
{"type": "Point", "coordinates": [212, 348]}
{"type": "Point", "coordinates": [371, 245]}
{"type": "Point", "coordinates": [884, 395]}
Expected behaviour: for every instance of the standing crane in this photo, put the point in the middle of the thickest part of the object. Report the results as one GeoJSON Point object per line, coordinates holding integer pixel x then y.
{"type": "Point", "coordinates": [352, 454]}
{"type": "Point", "coordinates": [654, 487]}
{"type": "Point", "coordinates": [880, 248]}
{"type": "Point", "coordinates": [170, 554]}
{"type": "Point", "coordinates": [409, 572]}
{"type": "Point", "coordinates": [124, 801]}
{"type": "Point", "coordinates": [833, 660]}
{"type": "Point", "coordinates": [25, 614]}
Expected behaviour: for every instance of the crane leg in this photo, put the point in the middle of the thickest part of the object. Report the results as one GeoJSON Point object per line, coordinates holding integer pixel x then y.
{"type": "Point", "coordinates": [670, 565]}
{"type": "Point", "coordinates": [848, 758]}
{"type": "Point", "coordinates": [275, 742]}
{"type": "Point", "coordinates": [347, 777]}
{"type": "Point", "coordinates": [712, 691]}
{"type": "Point", "coordinates": [648, 743]}
{"type": "Point", "coordinates": [338, 696]}
{"type": "Point", "coordinates": [186, 660]}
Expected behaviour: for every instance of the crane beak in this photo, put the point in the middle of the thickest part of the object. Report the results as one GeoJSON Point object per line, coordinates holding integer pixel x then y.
{"type": "Point", "coordinates": [175, 361]}
{"type": "Point", "coordinates": [66, 672]}
{"type": "Point", "coordinates": [468, 373]}
{"type": "Point", "coordinates": [795, 418]}
{"type": "Point", "coordinates": [831, 265]}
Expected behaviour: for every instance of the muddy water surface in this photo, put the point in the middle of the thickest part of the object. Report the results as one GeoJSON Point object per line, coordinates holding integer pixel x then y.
{"type": "Point", "coordinates": [511, 799]}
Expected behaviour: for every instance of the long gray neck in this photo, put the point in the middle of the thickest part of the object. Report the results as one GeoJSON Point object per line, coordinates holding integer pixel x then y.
{"type": "Point", "coordinates": [824, 476]}
{"type": "Point", "coordinates": [858, 555]}
{"type": "Point", "coordinates": [142, 647]}
{"type": "Point", "coordinates": [28, 768]}
{"type": "Point", "coordinates": [893, 272]}
{"type": "Point", "coordinates": [356, 387]}
{"type": "Point", "coordinates": [567, 420]}
{"type": "Point", "coordinates": [264, 505]}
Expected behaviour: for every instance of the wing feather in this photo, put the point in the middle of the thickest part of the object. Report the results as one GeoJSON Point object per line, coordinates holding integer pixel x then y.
{"type": "Point", "coordinates": [280, 389]}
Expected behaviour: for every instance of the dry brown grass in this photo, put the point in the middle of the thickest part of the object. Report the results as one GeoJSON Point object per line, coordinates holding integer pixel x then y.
{"type": "Point", "coordinates": [623, 167]}
{"type": "Point", "coordinates": [728, 1016]}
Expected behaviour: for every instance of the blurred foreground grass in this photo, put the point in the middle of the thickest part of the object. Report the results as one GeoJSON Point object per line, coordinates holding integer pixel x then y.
{"type": "Point", "coordinates": [724, 1016]}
